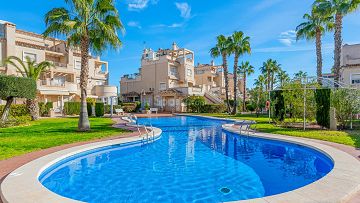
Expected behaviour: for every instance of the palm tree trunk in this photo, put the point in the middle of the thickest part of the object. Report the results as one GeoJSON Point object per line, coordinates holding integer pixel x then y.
{"type": "Point", "coordinates": [33, 107]}
{"type": "Point", "coordinates": [6, 110]}
{"type": "Point", "coordinates": [226, 82]}
{"type": "Point", "coordinates": [318, 56]}
{"type": "Point", "coordinates": [258, 103]}
{"type": "Point", "coordinates": [236, 60]}
{"type": "Point", "coordinates": [338, 44]}
{"type": "Point", "coordinates": [84, 124]}
{"type": "Point", "coordinates": [268, 81]}
{"type": "Point", "coordinates": [244, 93]}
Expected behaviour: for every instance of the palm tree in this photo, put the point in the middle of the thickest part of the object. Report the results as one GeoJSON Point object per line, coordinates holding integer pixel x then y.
{"type": "Point", "coordinates": [240, 44]}
{"type": "Point", "coordinates": [222, 48]}
{"type": "Point", "coordinates": [259, 83]}
{"type": "Point", "coordinates": [29, 69]}
{"type": "Point", "coordinates": [339, 8]}
{"type": "Point", "coordinates": [91, 26]}
{"type": "Point", "coordinates": [300, 75]}
{"type": "Point", "coordinates": [282, 77]}
{"type": "Point", "coordinates": [275, 69]}
{"type": "Point", "coordinates": [245, 69]}
{"type": "Point", "coordinates": [313, 28]}
{"type": "Point", "coordinates": [269, 69]}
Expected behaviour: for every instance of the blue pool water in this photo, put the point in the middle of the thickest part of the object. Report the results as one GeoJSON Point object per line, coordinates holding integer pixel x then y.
{"type": "Point", "coordinates": [193, 161]}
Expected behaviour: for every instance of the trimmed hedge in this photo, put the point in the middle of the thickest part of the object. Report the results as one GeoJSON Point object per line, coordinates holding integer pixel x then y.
{"type": "Point", "coordinates": [72, 108]}
{"type": "Point", "coordinates": [19, 87]}
{"type": "Point", "coordinates": [89, 108]}
{"type": "Point", "coordinates": [279, 105]}
{"type": "Point", "coordinates": [17, 110]}
{"type": "Point", "coordinates": [322, 97]}
{"type": "Point", "coordinates": [99, 109]}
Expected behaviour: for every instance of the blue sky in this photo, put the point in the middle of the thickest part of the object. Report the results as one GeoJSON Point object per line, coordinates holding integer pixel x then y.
{"type": "Point", "coordinates": [194, 24]}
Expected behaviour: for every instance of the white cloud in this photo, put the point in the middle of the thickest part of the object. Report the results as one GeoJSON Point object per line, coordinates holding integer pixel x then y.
{"type": "Point", "coordinates": [175, 25]}
{"type": "Point", "coordinates": [184, 8]}
{"type": "Point", "coordinates": [135, 5]}
{"type": "Point", "coordinates": [134, 24]}
{"type": "Point", "coordinates": [288, 38]}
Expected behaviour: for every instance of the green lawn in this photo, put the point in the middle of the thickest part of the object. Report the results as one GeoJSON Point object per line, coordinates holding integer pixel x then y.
{"type": "Point", "coordinates": [351, 138]}
{"type": "Point", "coordinates": [47, 133]}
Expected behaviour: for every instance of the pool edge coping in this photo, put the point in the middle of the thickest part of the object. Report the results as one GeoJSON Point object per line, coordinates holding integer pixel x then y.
{"type": "Point", "coordinates": [22, 184]}
{"type": "Point", "coordinates": [339, 185]}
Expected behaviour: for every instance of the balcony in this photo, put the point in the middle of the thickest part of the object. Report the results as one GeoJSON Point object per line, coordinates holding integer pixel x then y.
{"type": "Point", "coordinates": [196, 91]}
{"type": "Point", "coordinates": [54, 88]}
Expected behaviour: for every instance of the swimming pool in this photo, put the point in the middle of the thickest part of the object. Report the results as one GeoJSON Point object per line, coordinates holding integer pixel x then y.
{"type": "Point", "coordinates": [194, 161]}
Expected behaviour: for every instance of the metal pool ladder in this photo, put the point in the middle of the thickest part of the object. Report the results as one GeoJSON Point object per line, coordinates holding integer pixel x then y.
{"type": "Point", "coordinates": [134, 120]}
{"type": "Point", "coordinates": [247, 125]}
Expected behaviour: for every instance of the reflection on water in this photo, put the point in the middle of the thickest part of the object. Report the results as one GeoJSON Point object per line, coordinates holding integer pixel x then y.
{"type": "Point", "coordinates": [278, 164]}
{"type": "Point", "coordinates": [194, 161]}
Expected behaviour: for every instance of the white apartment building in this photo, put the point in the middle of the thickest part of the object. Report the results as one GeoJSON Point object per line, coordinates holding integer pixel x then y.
{"type": "Point", "coordinates": [60, 83]}
{"type": "Point", "coordinates": [167, 76]}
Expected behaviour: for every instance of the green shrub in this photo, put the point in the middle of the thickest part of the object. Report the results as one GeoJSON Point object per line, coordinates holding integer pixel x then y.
{"type": "Point", "coordinates": [322, 97]}
{"type": "Point", "coordinates": [213, 108]}
{"type": "Point", "coordinates": [194, 104]}
{"type": "Point", "coordinates": [72, 108]}
{"type": "Point", "coordinates": [147, 106]}
{"type": "Point", "coordinates": [138, 106]}
{"type": "Point", "coordinates": [108, 107]}
{"type": "Point", "coordinates": [251, 107]}
{"type": "Point", "coordinates": [99, 109]}
{"type": "Point", "coordinates": [44, 108]}
{"type": "Point", "coordinates": [130, 107]}
{"type": "Point", "coordinates": [17, 110]}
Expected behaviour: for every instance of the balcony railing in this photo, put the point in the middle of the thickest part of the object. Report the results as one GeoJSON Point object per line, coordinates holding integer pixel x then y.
{"type": "Point", "coordinates": [54, 85]}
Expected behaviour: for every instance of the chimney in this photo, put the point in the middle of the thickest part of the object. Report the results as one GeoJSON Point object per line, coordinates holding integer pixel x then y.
{"type": "Point", "coordinates": [212, 63]}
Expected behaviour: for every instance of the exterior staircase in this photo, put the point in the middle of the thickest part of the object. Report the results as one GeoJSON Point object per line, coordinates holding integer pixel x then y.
{"type": "Point", "coordinates": [213, 98]}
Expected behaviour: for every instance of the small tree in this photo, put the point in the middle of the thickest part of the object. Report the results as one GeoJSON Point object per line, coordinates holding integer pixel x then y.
{"type": "Point", "coordinates": [14, 87]}
{"type": "Point", "coordinates": [33, 70]}
{"type": "Point", "coordinates": [346, 102]}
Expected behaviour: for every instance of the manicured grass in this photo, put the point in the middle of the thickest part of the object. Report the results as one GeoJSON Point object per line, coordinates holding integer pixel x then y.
{"type": "Point", "coordinates": [351, 138]}
{"type": "Point", "coordinates": [48, 133]}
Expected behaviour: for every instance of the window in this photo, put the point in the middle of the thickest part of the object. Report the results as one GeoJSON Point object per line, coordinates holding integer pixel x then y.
{"type": "Point", "coordinates": [162, 86]}
{"type": "Point", "coordinates": [2, 31]}
{"type": "Point", "coordinates": [77, 64]}
{"type": "Point", "coordinates": [32, 56]}
{"type": "Point", "coordinates": [189, 72]}
{"type": "Point", "coordinates": [355, 78]}
{"type": "Point", "coordinates": [58, 81]}
{"type": "Point", "coordinates": [77, 80]}
{"type": "Point", "coordinates": [173, 70]}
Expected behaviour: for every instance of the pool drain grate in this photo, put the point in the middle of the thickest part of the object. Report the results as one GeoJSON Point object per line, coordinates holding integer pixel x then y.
{"type": "Point", "coordinates": [225, 190]}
